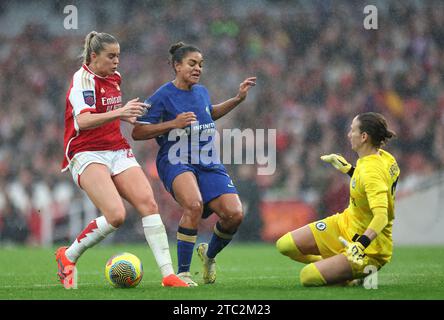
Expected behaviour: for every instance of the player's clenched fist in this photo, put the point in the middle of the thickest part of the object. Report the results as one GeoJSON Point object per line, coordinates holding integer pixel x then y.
{"type": "Point", "coordinates": [337, 161]}
{"type": "Point", "coordinates": [184, 119]}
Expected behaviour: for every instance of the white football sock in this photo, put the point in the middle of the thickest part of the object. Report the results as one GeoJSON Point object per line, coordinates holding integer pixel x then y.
{"type": "Point", "coordinates": [96, 231]}
{"type": "Point", "coordinates": [156, 237]}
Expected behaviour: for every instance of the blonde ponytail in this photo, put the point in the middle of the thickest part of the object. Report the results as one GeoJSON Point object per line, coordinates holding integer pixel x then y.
{"type": "Point", "coordinates": [95, 42]}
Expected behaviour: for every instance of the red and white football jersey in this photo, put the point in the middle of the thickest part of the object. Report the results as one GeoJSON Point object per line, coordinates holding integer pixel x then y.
{"type": "Point", "coordinates": [92, 93]}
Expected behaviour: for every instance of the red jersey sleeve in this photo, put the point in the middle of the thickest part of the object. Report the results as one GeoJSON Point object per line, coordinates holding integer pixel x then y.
{"type": "Point", "coordinates": [83, 95]}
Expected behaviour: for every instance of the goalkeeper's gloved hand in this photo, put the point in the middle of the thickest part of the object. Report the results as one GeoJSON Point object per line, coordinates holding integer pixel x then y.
{"type": "Point", "coordinates": [355, 251]}
{"type": "Point", "coordinates": [338, 162]}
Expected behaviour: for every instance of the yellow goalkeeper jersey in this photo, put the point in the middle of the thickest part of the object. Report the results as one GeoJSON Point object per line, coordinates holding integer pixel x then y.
{"type": "Point", "coordinates": [372, 185]}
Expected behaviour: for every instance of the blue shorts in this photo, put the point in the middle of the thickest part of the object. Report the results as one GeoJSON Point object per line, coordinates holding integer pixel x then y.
{"type": "Point", "coordinates": [212, 181]}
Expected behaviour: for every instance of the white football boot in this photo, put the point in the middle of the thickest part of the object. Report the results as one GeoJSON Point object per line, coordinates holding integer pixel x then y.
{"type": "Point", "coordinates": [186, 276]}
{"type": "Point", "coordinates": [209, 265]}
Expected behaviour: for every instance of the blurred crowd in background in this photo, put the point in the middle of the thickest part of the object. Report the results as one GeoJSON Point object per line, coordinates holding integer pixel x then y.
{"type": "Point", "coordinates": [316, 67]}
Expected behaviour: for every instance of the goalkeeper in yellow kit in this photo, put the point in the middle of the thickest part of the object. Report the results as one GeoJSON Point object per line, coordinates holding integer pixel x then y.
{"type": "Point", "coordinates": [340, 247]}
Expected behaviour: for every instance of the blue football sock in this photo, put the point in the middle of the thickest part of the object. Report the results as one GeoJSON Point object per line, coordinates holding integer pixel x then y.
{"type": "Point", "coordinates": [219, 240]}
{"type": "Point", "coordinates": [186, 238]}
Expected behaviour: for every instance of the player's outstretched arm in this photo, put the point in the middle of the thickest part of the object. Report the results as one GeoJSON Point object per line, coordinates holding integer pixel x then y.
{"type": "Point", "coordinates": [221, 109]}
{"type": "Point", "coordinates": [339, 163]}
{"type": "Point", "coordinates": [89, 120]}
{"type": "Point", "coordinates": [145, 131]}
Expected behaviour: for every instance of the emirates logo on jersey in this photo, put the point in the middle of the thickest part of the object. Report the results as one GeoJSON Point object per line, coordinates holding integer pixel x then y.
{"type": "Point", "coordinates": [112, 103]}
{"type": "Point", "coordinates": [106, 101]}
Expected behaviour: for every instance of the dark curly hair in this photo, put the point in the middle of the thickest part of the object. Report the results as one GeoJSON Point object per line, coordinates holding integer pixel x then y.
{"type": "Point", "coordinates": [179, 50]}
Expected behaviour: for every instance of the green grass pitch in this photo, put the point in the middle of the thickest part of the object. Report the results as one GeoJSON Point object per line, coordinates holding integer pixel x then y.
{"type": "Point", "coordinates": [244, 271]}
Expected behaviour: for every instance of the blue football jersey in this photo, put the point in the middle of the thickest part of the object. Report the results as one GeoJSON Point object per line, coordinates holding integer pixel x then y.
{"type": "Point", "coordinates": [168, 102]}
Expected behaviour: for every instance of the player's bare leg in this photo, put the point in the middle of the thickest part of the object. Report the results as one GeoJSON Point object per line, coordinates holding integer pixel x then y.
{"type": "Point", "coordinates": [97, 183]}
{"type": "Point", "coordinates": [187, 194]}
{"type": "Point", "coordinates": [305, 240]}
{"type": "Point", "coordinates": [319, 271]}
{"type": "Point", "coordinates": [229, 209]}
{"type": "Point", "coordinates": [134, 186]}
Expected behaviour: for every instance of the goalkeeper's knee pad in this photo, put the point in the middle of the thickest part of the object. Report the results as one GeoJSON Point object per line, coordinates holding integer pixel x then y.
{"type": "Point", "coordinates": [311, 277]}
{"type": "Point", "coordinates": [287, 247]}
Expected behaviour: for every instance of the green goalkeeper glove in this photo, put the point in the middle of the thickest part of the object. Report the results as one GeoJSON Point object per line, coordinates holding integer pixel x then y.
{"type": "Point", "coordinates": [355, 252]}
{"type": "Point", "coordinates": [338, 162]}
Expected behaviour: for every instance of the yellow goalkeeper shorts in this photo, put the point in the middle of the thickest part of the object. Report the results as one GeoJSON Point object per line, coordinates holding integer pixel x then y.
{"type": "Point", "coordinates": [326, 233]}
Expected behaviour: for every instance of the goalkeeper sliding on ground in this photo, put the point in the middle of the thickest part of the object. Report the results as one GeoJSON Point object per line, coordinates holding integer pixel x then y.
{"type": "Point", "coordinates": [338, 248]}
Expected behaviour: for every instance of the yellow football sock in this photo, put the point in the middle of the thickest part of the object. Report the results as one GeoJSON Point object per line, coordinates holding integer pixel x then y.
{"type": "Point", "coordinates": [311, 277]}
{"type": "Point", "coordinates": [287, 247]}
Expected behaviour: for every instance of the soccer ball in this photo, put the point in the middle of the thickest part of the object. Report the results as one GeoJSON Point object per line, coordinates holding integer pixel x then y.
{"type": "Point", "coordinates": [124, 270]}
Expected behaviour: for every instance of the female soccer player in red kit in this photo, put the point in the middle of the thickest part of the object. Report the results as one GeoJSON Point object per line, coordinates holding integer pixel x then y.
{"type": "Point", "coordinates": [101, 161]}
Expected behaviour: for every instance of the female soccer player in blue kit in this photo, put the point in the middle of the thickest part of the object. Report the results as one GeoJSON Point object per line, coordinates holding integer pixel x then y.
{"type": "Point", "coordinates": [200, 187]}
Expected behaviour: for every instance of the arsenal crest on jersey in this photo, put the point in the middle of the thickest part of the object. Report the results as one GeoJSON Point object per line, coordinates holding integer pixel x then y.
{"type": "Point", "coordinates": [88, 97]}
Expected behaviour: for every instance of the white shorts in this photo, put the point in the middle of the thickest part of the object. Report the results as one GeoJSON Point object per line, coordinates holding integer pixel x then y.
{"type": "Point", "coordinates": [116, 162]}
